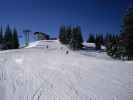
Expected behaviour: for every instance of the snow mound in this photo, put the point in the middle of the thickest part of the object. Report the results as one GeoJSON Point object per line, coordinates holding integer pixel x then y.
{"type": "Point", "coordinates": [33, 44]}
{"type": "Point", "coordinates": [45, 72]}
{"type": "Point", "coordinates": [89, 44]}
{"type": "Point", "coordinates": [92, 45]}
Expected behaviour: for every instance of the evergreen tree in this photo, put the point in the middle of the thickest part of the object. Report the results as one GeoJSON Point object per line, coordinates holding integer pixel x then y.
{"type": "Point", "coordinates": [15, 39]}
{"type": "Point", "coordinates": [112, 45]}
{"type": "Point", "coordinates": [8, 37]}
{"type": "Point", "coordinates": [79, 37]}
{"type": "Point", "coordinates": [98, 42]}
{"type": "Point", "coordinates": [62, 35]}
{"type": "Point", "coordinates": [1, 35]}
{"type": "Point", "coordinates": [71, 36]}
{"type": "Point", "coordinates": [76, 39]}
{"type": "Point", "coordinates": [91, 39]}
{"type": "Point", "coordinates": [108, 43]}
{"type": "Point", "coordinates": [68, 34]}
{"type": "Point", "coordinates": [126, 38]}
{"type": "Point", "coordinates": [107, 38]}
{"type": "Point", "coordinates": [73, 43]}
{"type": "Point", "coordinates": [101, 39]}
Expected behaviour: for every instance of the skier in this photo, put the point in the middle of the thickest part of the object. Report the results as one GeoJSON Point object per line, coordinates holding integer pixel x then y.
{"type": "Point", "coordinates": [67, 52]}
{"type": "Point", "coordinates": [47, 46]}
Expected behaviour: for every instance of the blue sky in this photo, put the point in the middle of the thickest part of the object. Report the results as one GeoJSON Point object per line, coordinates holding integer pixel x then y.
{"type": "Point", "coordinates": [48, 15]}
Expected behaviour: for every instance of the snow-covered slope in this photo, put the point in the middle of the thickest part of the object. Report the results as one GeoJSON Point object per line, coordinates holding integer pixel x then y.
{"type": "Point", "coordinates": [45, 72]}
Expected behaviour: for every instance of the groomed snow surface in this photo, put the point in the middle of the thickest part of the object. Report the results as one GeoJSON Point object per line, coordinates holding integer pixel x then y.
{"type": "Point", "coordinates": [44, 71]}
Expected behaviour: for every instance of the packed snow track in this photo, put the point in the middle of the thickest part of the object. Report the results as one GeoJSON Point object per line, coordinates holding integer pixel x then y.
{"type": "Point", "coordinates": [43, 71]}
